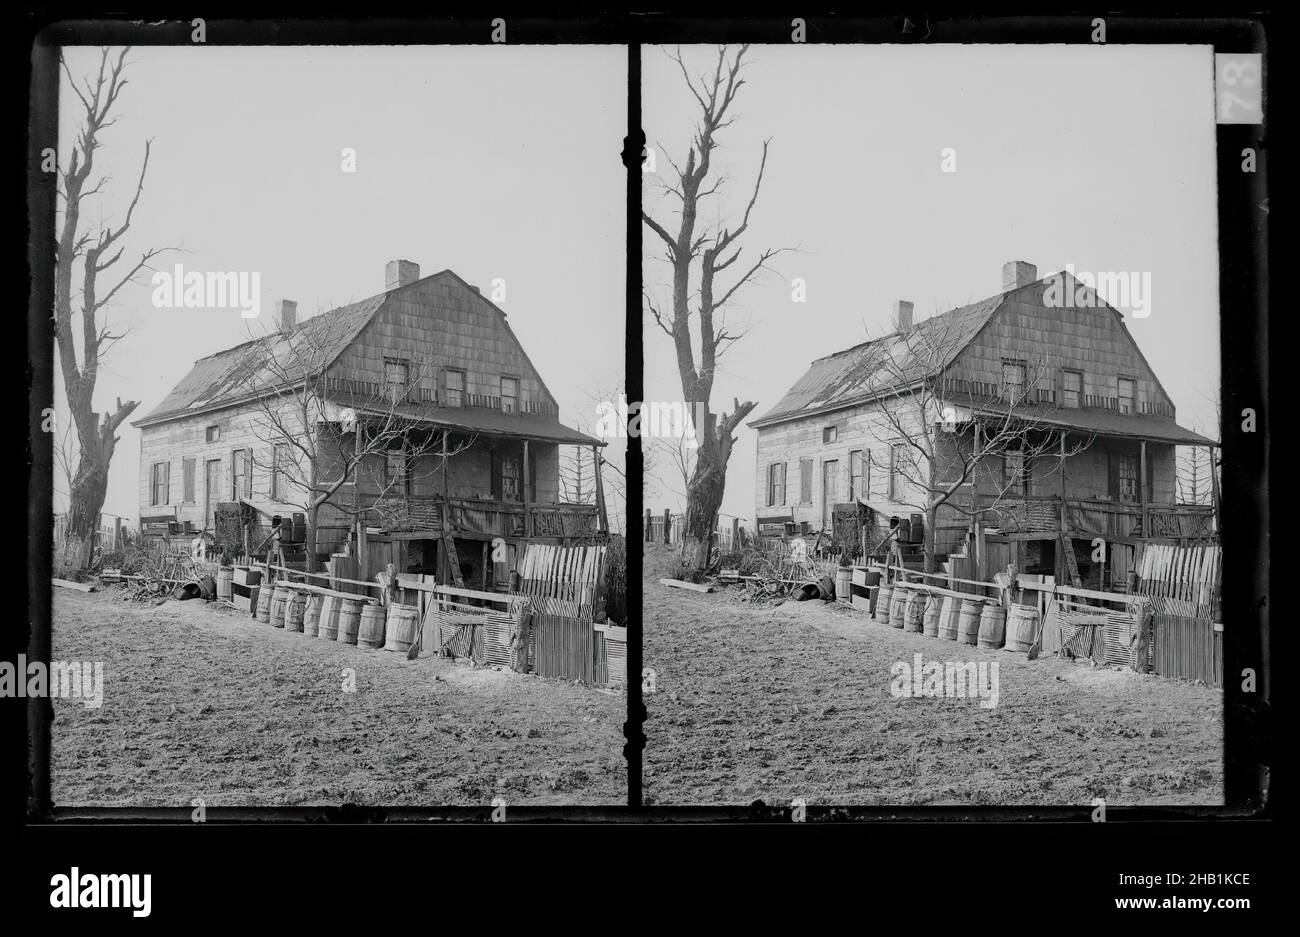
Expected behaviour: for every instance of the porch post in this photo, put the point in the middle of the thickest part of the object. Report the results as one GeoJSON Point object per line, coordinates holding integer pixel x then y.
{"type": "Point", "coordinates": [1142, 488]}
{"type": "Point", "coordinates": [527, 505]}
{"type": "Point", "coordinates": [600, 490]}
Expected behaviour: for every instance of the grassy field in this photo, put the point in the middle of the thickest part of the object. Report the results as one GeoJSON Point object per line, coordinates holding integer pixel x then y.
{"type": "Point", "coordinates": [201, 701]}
{"type": "Point", "coordinates": [761, 703]}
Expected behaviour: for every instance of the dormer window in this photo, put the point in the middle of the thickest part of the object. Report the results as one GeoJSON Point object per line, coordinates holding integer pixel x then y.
{"type": "Point", "coordinates": [1013, 380]}
{"type": "Point", "coordinates": [455, 388]}
{"type": "Point", "coordinates": [509, 395]}
{"type": "Point", "coordinates": [397, 374]}
{"type": "Point", "coordinates": [1127, 394]}
{"type": "Point", "coordinates": [1072, 388]}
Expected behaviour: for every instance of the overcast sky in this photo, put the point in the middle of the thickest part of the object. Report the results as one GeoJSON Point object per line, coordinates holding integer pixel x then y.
{"type": "Point", "coordinates": [1100, 157]}
{"type": "Point", "coordinates": [494, 161]}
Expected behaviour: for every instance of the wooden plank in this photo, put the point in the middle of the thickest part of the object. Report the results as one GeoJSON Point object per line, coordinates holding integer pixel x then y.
{"type": "Point", "coordinates": [78, 586]}
{"type": "Point", "coordinates": [678, 584]}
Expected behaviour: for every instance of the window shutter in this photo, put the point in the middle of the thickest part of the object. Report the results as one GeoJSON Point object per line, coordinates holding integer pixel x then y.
{"type": "Point", "coordinates": [187, 479]}
{"type": "Point", "coordinates": [167, 483]}
{"type": "Point", "coordinates": [442, 387]}
{"type": "Point", "coordinates": [248, 473]}
{"type": "Point", "coordinates": [1151, 478]}
{"type": "Point", "coordinates": [784, 493]}
{"type": "Point", "coordinates": [1112, 474]}
{"type": "Point", "coordinates": [495, 459]}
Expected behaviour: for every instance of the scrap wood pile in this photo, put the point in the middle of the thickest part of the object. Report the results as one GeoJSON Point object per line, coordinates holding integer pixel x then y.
{"type": "Point", "coordinates": [778, 573]}
{"type": "Point", "coordinates": [157, 575]}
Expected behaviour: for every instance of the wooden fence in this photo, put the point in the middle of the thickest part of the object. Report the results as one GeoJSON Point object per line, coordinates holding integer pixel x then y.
{"type": "Point", "coordinates": [1188, 648]}
{"type": "Point", "coordinates": [727, 536]}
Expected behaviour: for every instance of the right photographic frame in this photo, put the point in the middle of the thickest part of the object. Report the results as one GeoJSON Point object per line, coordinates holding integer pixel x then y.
{"type": "Point", "coordinates": [952, 491]}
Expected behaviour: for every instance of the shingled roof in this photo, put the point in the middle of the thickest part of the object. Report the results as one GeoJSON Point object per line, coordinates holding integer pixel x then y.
{"type": "Point", "coordinates": [859, 373]}
{"type": "Point", "coordinates": [230, 376]}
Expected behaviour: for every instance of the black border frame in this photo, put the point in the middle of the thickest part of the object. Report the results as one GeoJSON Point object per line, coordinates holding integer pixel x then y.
{"type": "Point", "coordinates": [1244, 281]}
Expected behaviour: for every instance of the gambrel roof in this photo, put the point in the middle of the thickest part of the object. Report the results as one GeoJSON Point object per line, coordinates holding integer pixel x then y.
{"type": "Point", "coordinates": [890, 364]}
{"type": "Point", "coordinates": [248, 370]}
{"type": "Point", "coordinates": [856, 374]}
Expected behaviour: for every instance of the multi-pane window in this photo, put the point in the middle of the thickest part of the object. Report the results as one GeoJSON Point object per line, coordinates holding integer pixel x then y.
{"type": "Point", "coordinates": [509, 395]}
{"type": "Point", "coordinates": [1072, 388]}
{"type": "Point", "coordinates": [159, 481]}
{"type": "Point", "coordinates": [1127, 394]}
{"type": "Point", "coordinates": [830, 434]}
{"type": "Point", "coordinates": [805, 481]}
{"type": "Point", "coordinates": [1014, 479]}
{"type": "Point", "coordinates": [1013, 380]}
{"type": "Point", "coordinates": [855, 476]}
{"type": "Point", "coordinates": [241, 474]}
{"type": "Point", "coordinates": [776, 484]}
{"type": "Point", "coordinates": [396, 477]}
{"type": "Point", "coordinates": [455, 388]}
{"type": "Point", "coordinates": [397, 375]}
{"type": "Point", "coordinates": [1128, 475]}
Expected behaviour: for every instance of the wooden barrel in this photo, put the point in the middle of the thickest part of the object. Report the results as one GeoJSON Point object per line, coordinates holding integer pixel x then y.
{"type": "Point", "coordinates": [843, 576]}
{"type": "Point", "coordinates": [930, 624]}
{"type": "Point", "coordinates": [883, 596]}
{"type": "Point", "coordinates": [371, 633]}
{"type": "Point", "coordinates": [897, 607]}
{"type": "Point", "coordinates": [225, 576]}
{"type": "Point", "coordinates": [263, 610]}
{"type": "Point", "coordinates": [403, 621]}
{"type": "Point", "coordinates": [993, 626]}
{"type": "Point", "coordinates": [349, 620]}
{"type": "Point", "coordinates": [1022, 626]}
{"type": "Point", "coordinates": [914, 611]}
{"type": "Point", "coordinates": [311, 616]}
{"type": "Point", "coordinates": [328, 625]}
{"type": "Point", "coordinates": [279, 599]}
{"type": "Point", "coordinates": [968, 622]}
{"type": "Point", "coordinates": [293, 610]}
{"type": "Point", "coordinates": [949, 615]}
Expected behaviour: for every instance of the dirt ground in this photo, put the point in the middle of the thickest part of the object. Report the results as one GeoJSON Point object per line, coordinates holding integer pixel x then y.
{"type": "Point", "coordinates": [759, 703]}
{"type": "Point", "coordinates": [202, 701]}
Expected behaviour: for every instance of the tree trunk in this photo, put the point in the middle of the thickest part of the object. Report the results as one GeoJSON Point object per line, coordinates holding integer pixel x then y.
{"type": "Point", "coordinates": [703, 502]}
{"type": "Point", "coordinates": [86, 501]}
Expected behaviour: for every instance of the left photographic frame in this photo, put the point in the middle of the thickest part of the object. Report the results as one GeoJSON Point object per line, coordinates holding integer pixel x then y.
{"type": "Point", "coordinates": [330, 518]}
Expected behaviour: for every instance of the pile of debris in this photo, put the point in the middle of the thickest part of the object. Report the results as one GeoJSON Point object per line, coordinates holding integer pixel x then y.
{"type": "Point", "coordinates": [778, 573]}
{"type": "Point", "coordinates": [155, 576]}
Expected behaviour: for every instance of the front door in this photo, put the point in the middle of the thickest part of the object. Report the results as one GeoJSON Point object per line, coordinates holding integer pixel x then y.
{"type": "Point", "coordinates": [510, 478]}
{"type": "Point", "coordinates": [212, 475]}
{"type": "Point", "coordinates": [830, 491]}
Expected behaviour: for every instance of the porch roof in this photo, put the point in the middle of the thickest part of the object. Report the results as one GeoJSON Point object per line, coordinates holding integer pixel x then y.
{"type": "Point", "coordinates": [1103, 423]}
{"type": "Point", "coordinates": [489, 422]}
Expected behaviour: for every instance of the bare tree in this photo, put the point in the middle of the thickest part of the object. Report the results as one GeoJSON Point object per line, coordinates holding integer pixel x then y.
{"type": "Point", "coordinates": [713, 252]}
{"type": "Point", "coordinates": [324, 446]}
{"type": "Point", "coordinates": [943, 441]}
{"type": "Point", "coordinates": [96, 249]}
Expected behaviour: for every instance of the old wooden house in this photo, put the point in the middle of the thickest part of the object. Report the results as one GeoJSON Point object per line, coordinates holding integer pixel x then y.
{"type": "Point", "coordinates": [408, 428]}
{"type": "Point", "coordinates": [1072, 376]}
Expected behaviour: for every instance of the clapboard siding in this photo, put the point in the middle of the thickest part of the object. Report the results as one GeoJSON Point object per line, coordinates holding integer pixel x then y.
{"type": "Point", "coordinates": [186, 437]}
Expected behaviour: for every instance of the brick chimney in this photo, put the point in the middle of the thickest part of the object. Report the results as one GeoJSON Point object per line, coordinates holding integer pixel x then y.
{"type": "Point", "coordinates": [903, 315]}
{"type": "Point", "coordinates": [286, 316]}
{"type": "Point", "coordinates": [400, 273]}
{"type": "Point", "coordinates": [1017, 273]}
